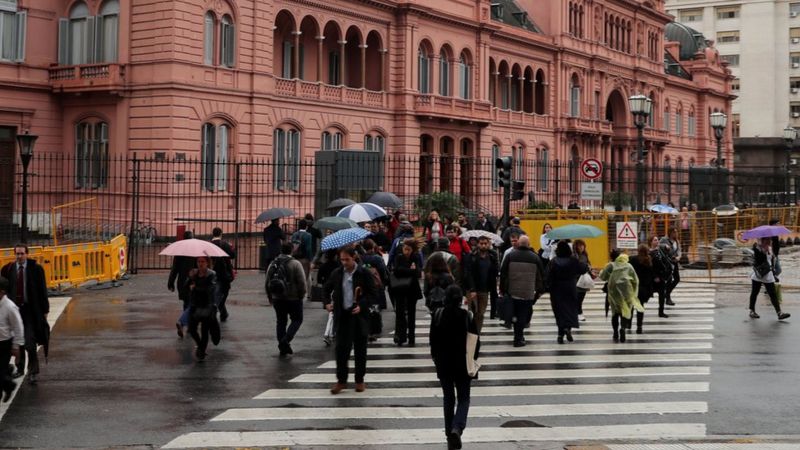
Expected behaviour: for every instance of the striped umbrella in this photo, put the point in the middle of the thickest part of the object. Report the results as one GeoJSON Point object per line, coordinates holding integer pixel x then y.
{"type": "Point", "coordinates": [343, 237]}
{"type": "Point", "coordinates": [362, 212]}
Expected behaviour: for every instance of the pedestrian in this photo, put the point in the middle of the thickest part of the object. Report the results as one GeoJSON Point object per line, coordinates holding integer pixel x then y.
{"type": "Point", "coordinates": [404, 231]}
{"type": "Point", "coordinates": [775, 240]}
{"type": "Point", "coordinates": [662, 269]}
{"type": "Point", "coordinates": [458, 246]}
{"type": "Point", "coordinates": [223, 267]}
{"type": "Point", "coordinates": [580, 253]}
{"type": "Point", "coordinates": [350, 287]}
{"type": "Point", "coordinates": [481, 281]}
{"type": "Point", "coordinates": [302, 249]}
{"type": "Point", "coordinates": [764, 274]}
{"type": "Point", "coordinates": [562, 277]}
{"type": "Point", "coordinates": [201, 283]}
{"type": "Point", "coordinates": [28, 291]}
{"type": "Point", "coordinates": [448, 341]}
{"type": "Point", "coordinates": [673, 250]}
{"type": "Point", "coordinates": [547, 246]}
{"type": "Point", "coordinates": [316, 234]}
{"type": "Point", "coordinates": [12, 339]}
{"type": "Point", "coordinates": [461, 221]}
{"type": "Point", "coordinates": [643, 266]}
{"type": "Point", "coordinates": [623, 286]}
{"type": "Point", "coordinates": [373, 261]}
{"type": "Point", "coordinates": [287, 289]}
{"type": "Point", "coordinates": [443, 252]}
{"type": "Point", "coordinates": [522, 280]}
{"type": "Point", "coordinates": [381, 237]}
{"type": "Point", "coordinates": [178, 274]}
{"type": "Point", "coordinates": [406, 291]}
{"type": "Point", "coordinates": [326, 262]}
{"type": "Point", "coordinates": [273, 237]}
{"type": "Point", "coordinates": [482, 223]}
{"type": "Point", "coordinates": [683, 218]}
{"type": "Point", "coordinates": [514, 238]}
{"type": "Point", "coordinates": [438, 275]}
{"type": "Point", "coordinates": [434, 229]}
{"type": "Point", "coordinates": [512, 228]}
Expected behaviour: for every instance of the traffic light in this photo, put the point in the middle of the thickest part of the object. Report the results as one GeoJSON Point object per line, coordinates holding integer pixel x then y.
{"type": "Point", "coordinates": [517, 190]}
{"type": "Point", "coordinates": [503, 166]}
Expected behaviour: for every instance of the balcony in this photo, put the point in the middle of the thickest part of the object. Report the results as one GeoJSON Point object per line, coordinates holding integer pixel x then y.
{"type": "Point", "coordinates": [87, 78]}
{"type": "Point", "coordinates": [654, 135]}
{"type": "Point", "coordinates": [588, 126]}
{"type": "Point", "coordinates": [452, 108]}
{"type": "Point", "coordinates": [327, 93]}
{"type": "Point", "coordinates": [510, 117]}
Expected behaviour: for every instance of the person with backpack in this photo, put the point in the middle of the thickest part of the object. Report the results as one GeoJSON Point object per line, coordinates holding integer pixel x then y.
{"type": "Point", "coordinates": [443, 252]}
{"type": "Point", "coordinates": [406, 291]}
{"type": "Point", "coordinates": [223, 266]}
{"type": "Point", "coordinates": [448, 339]}
{"type": "Point", "coordinates": [662, 269]}
{"type": "Point", "coordinates": [437, 278]}
{"type": "Point", "coordinates": [522, 280]}
{"type": "Point", "coordinates": [373, 262]}
{"type": "Point", "coordinates": [302, 249]}
{"type": "Point", "coordinates": [286, 290]}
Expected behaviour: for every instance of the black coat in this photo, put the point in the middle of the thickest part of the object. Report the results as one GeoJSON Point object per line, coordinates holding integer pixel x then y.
{"type": "Point", "coordinates": [36, 301]}
{"type": "Point", "coordinates": [402, 269]}
{"type": "Point", "coordinates": [181, 265]}
{"type": "Point", "coordinates": [448, 339]}
{"type": "Point", "coordinates": [562, 278]}
{"type": "Point", "coordinates": [361, 278]}
{"type": "Point", "coordinates": [485, 227]}
{"type": "Point", "coordinates": [646, 276]}
{"type": "Point", "coordinates": [273, 237]}
{"type": "Point", "coordinates": [472, 271]}
{"type": "Point", "coordinates": [223, 267]}
{"type": "Point", "coordinates": [202, 295]}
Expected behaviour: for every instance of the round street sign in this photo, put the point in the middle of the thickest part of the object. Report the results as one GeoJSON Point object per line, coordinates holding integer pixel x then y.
{"type": "Point", "coordinates": [591, 168]}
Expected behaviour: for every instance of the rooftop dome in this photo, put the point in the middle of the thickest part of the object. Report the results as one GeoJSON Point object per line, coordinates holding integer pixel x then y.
{"type": "Point", "coordinates": [691, 40]}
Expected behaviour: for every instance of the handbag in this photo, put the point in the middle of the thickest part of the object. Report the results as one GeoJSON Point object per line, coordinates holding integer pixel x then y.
{"type": "Point", "coordinates": [762, 269]}
{"type": "Point", "coordinates": [203, 313]}
{"type": "Point", "coordinates": [396, 282]}
{"type": "Point", "coordinates": [375, 321]}
{"type": "Point", "coordinates": [585, 282]}
{"type": "Point", "coordinates": [472, 366]}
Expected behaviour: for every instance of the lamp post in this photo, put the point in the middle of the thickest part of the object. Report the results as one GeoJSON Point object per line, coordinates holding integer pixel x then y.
{"type": "Point", "coordinates": [641, 107]}
{"type": "Point", "coordinates": [789, 135]}
{"type": "Point", "coordinates": [25, 142]}
{"type": "Point", "coordinates": [718, 122]}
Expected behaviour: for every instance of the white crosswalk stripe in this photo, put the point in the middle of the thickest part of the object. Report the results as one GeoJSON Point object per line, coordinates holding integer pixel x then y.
{"type": "Point", "coordinates": [653, 387]}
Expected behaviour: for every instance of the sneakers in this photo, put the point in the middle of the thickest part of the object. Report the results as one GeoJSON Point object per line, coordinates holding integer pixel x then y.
{"type": "Point", "coordinates": [338, 387]}
{"type": "Point", "coordinates": [361, 387]}
{"type": "Point", "coordinates": [783, 315]}
{"type": "Point", "coordinates": [754, 315]}
{"type": "Point", "coordinates": [581, 318]}
{"type": "Point", "coordinates": [454, 439]}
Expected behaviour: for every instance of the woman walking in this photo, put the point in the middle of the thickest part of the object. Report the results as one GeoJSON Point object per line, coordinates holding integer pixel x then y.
{"type": "Point", "coordinates": [406, 272]}
{"type": "Point", "coordinates": [437, 279]}
{"type": "Point", "coordinates": [643, 266]}
{"type": "Point", "coordinates": [579, 248]}
{"type": "Point", "coordinates": [662, 273]}
{"type": "Point", "coordinates": [562, 277]}
{"type": "Point", "coordinates": [623, 285]}
{"type": "Point", "coordinates": [764, 273]}
{"type": "Point", "coordinates": [448, 340]}
{"type": "Point", "coordinates": [434, 229]}
{"type": "Point", "coordinates": [673, 249]}
{"type": "Point", "coordinates": [202, 312]}
{"type": "Point", "coordinates": [546, 245]}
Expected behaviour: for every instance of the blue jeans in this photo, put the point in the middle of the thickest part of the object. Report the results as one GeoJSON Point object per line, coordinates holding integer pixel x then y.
{"type": "Point", "coordinates": [184, 317]}
{"type": "Point", "coordinates": [455, 416]}
{"type": "Point", "coordinates": [285, 310]}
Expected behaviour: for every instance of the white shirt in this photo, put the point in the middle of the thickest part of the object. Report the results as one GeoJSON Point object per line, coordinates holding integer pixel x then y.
{"type": "Point", "coordinates": [546, 246]}
{"type": "Point", "coordinates": [11, 322]}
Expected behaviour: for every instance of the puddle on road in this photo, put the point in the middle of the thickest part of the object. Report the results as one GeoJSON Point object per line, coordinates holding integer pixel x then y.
{"type": "Point", "coordinates": [522, 424]}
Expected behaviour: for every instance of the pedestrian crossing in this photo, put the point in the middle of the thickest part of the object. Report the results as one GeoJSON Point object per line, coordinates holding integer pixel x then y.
{"type": "Point", "coordinates": [652, 387]}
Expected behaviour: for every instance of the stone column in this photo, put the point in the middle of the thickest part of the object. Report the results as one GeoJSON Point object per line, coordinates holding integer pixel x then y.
{"type": "Point", "coordinates": [296, 54]}
{"type": "Point", "coordinates": [384, 70]}
{"type": "Point", "coordinates": [342, 62]}
{"type": "Point", "coordinates": [320, 51]}
{"type": "Point", "coordinates": [363, 48]}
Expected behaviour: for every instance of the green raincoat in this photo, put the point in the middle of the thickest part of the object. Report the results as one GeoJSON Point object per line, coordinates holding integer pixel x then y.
{"type": "Point", "coordinates": [623, 286]}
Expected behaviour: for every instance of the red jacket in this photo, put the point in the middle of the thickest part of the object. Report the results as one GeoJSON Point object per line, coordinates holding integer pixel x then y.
{"type": "Point", "coordinates": [458, 247]}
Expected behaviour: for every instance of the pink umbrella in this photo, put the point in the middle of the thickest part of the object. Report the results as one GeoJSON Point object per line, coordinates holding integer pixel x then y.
{"type": "Point", "coordinates": [193, 247]}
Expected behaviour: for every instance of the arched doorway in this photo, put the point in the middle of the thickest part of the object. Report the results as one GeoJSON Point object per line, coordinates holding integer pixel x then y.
{"type": "Point", "coordinates": [616, 112]}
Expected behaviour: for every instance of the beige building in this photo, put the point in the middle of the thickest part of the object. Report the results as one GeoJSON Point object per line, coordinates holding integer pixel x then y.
{"type": "Point", "coordinates": [760, 40]}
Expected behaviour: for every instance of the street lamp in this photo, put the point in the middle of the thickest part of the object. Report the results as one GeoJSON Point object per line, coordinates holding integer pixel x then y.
{"type": "Point", "coordinates": [641, 107]}
{"type": "Point", "coordinates": [789, 135]}
{"type": "Point", "coordinates": [25, 142]}
{"type": "Point", "coordinates": [718, 122]}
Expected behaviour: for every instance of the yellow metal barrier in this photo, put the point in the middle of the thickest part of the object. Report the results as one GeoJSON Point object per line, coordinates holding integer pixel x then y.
{"type": "Point", "coordinates": [75, 264]}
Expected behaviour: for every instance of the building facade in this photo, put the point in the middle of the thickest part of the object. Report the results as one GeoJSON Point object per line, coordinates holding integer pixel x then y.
{"type": "Point", "coordinates": [443, 82]}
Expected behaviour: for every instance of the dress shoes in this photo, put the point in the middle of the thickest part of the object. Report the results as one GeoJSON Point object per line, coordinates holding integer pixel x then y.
{"type": "Point", "coordinates": [361, 387]}
{"type": "Point", "coordinates": [8, 391]}
{"type": "Point", "coordinates": [338, 387]}
{"type": "Point", "coordinates": [670, 303]}
{"type": "Point", "coordinates": [454, 439]}
{"type": "Point", "coordinates": [661, 314]}
{"type": "Point", "coordinates": [622, 334]}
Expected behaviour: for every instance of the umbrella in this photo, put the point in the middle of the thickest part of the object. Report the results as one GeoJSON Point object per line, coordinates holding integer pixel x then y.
{"type": "Point", "coordinates": [725, 210]}
{"type": "Point", "coordinates": [193, 247]}
{"type": "Point", "coordinates": [343, 237]}
{"type": "Point", "coordinates": [334, 223]}
{"type": "Point", "coordinates": [386, 199]}
{"type": "Point", "coordinates": [496, 240]}
{"type": "Point", "coordinates": [574, 231]}
{"type": "Point", "coordinates": [274, 213]}
{"type": "Point", "coordinates": [340, 203]}
{"type": "Point", "coordinates": [663, 209]}
{"type": "Point", "coordinates": [362, 212]}
{"type": "Point", "coordinates": [765, 231]}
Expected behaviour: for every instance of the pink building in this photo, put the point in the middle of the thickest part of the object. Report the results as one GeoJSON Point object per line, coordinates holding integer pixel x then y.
{"type": "Point", "coordinates": [227, 80]}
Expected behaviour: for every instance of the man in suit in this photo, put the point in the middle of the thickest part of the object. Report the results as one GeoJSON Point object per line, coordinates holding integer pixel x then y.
{"type": "Point", "coordinates": [223, 267]}
{"type": "Point", "coordinates": [350, 288]}
{"type": "Point", "coordinates": [28, 290]}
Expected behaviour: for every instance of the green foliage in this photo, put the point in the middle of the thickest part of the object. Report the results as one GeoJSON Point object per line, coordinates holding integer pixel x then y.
{"type": "Point", "coordinates": [447, 203]}
{"type": "Point", "coordinates": [615, 198]}
{"type": "Point", "coordinates": [540, 205]}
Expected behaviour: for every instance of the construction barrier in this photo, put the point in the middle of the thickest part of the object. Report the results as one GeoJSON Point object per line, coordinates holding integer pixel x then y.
{"type": "Point", "coordinates": [71, 265]}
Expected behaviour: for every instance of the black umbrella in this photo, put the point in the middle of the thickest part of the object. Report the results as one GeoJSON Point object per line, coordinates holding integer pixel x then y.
{"type": "Point", "coordinates": [274, 213]}
{"type": "Point", "coordinates": [386, 199]}
{"type": "Point", "coordinates": [334, 223]}
{"type": "Point", "coordinates": [340, 203]}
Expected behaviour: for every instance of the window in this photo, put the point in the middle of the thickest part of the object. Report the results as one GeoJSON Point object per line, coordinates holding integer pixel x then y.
{"type": "Point", "coordinates": [575, 97]}
{"type": "Point", "coordinates": [424, 75]}
{"type": "Point", "coordinates": [666, 120]}
{"type": "Point", "coordinates": [732, 60]}
{"type": "Point", "coordinates": [12, 31]}
{"type": "Point", "coordinates": [495, 155]}
{"type": "Point", "coordinates": [735, 84]}
{"type": "Point", "coordinates": [208, 39]}
{"type": "Point", "coordinates": [543, 173]}
{"type": "Point", "coordinates": [667, 176]}
{"type": "Point", "coordinates": [85, 39]}
{"type": "Point", "coordinates": [678, 123]}
{"type": "Point", "coordinates": [794, 8]}
{"type": "Point", "coordinates": [679, 172]}
{"type": "Point", "coordinates": [227, 44]}
{"type": "Point", "coordinates": [691, 15]}
{"type": "Point", "coordinates": [464, 77]}
{"type": "Point", "coordinates": [286, 148]}
{"type": "Point", "coordinates": [795, 109]}
{"type": "Point", "coordinates": [727, 12]}
{"type": "Point", "coordinates": [727, 36]}
{"type": "Point", "coordinates": [374, 143]}
{"type": "Point", "coordinates": [214, 157]}
{"type": "Point", "coordinates": [692, 124]}
{"type": "Point", "coordinates": [91, 155]}
{"type": "Point", "coordinates": [518, 153]}
{"type": "Point", "coordinates": [736, 125]}
{"type": "Point", "coordinates": [444, 74]}
{"type": "Point", "coordinates": [794, 83]}
{"type": "Point", "coordinates": [795, 60]}
{"type": "Point", "coordinates": [332, 140]}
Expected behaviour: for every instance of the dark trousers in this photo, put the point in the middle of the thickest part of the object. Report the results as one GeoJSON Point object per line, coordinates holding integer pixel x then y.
{"type": "Point", "coordinates": [581, 297]}
{"type": "Point", "coordinates": [405, 317]}
{"type": "Point", "coordinates": [617, 320]}
{"type": "Point", "coordinates": [478, 308]}
{"type": "Point", "coordinates": [661, 289]}
{"type": "Point", "coordinates": [29, 351]}
{"type": "Point", "coordinates": [773, 296]}
{"type": "Point", "coordinates": [201, 338]}
{"type": "Point", "coordinates": [455, 414]}
{"type": "Point", "coordinates": [351, 334]}
{"type": "Point", "coordinates": [523, 311]}
{"type": "Point", "coordinates": [676, 278]}
{"type": "Point", "coordinates": [6, 383]}
{"type": "Point", "coordinates": [223, 289]}
{"type": "Point", "coordinates": [285, 310]}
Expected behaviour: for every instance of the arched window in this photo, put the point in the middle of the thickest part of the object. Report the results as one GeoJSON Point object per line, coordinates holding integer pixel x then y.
{"type": "Point", "coordinates": [332, 140]}
{"type": "Point", "coordinates": [75, 37]}
{"type": "Point", "coordinates": [12, 31]}
{"type": "Point", "coordinates": [208, 38]}
{"type": "Point", "coordinates": [666, 118]}
{"type": "Point", "coordinates": [424, 75]}
{"type": "Point", "coordinates": [575, 96]}
{"type": "Point", "coordinates": [518, 153]}
{"type": "Point", "coordinates": [495, 155]}
{"type": "Point", "coordinates": [464, 77]}
{"type": "Point", "coordinates": [374, 142]}
{"type": "Point", "coordinates": [444, 73]}
{"type": "Point", "coordinates": [286, 154]}
{"type": "Point", "coordinates": [107, 25]}
{"type": "Point", "coordinates": [91, 154]}
{"type": "Point", "coordinates": [692, 131]}
{"type": "Point", "coordinates": [216, 145]}
{"type": "Point", "coordinates": [227, 45]}
{"type": "Point", "coordinates": [678, 122]}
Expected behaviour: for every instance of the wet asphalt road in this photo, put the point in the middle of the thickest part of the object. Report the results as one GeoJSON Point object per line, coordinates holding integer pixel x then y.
{"type": "Point", "coordinates": [119, 376]}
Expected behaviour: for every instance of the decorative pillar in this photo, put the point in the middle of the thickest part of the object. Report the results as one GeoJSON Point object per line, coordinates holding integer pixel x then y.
{"type": "Point", "coordinates": [384, 70]}
{"type": "Point", "coordinates": [533, 95]}
{"type": "Point", "coordinates": [296, 54]}
{"type": "Point", "coordinates": [508, 89]}
{"type": "Point", "coordinates": [496, 89]}
{"type": "Point", "coordinates": [320, 51]}
{"type": "Point", "coordinates": [363, 48]}
{"type": "Point", "coordinates": [521, 97]}
{"type": "Point", "coordinates": [342, 62]}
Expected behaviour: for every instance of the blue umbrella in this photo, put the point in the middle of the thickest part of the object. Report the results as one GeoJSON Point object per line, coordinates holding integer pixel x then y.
{"type": "Point", "coordinates": [663, 209]}
{"type": "Point", "coordinates": [362, 212]}
{"type": "Point", "coordinates": [343, 237]}
{"type": "Point", "coordinates": [574, 231]}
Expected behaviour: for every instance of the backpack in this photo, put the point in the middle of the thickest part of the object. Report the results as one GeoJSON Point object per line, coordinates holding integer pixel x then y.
{"type": "Point", "coordinates": [298, 247]}
{"type": "Point", "coordinates": [376, 276]}
{"type": "Point", "coordinates": [278, 277]}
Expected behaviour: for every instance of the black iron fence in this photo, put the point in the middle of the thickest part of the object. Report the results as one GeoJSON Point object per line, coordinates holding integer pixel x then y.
{"type": "Point", "coordinates": [154, 199]}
